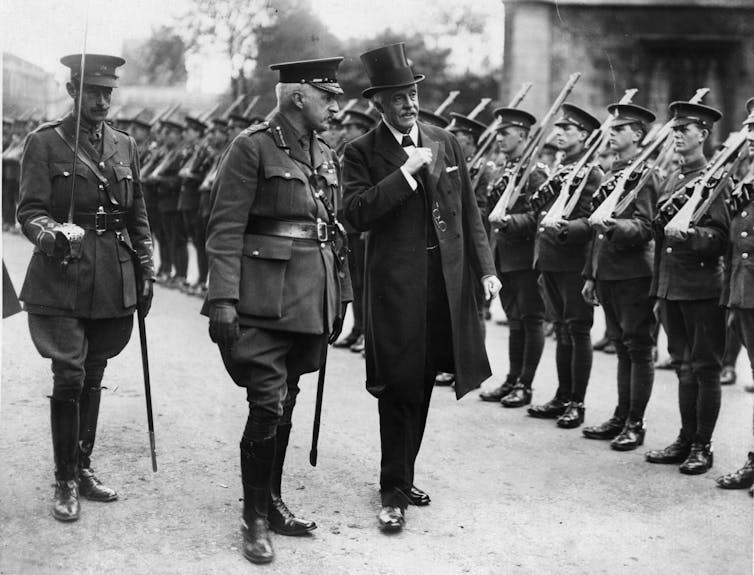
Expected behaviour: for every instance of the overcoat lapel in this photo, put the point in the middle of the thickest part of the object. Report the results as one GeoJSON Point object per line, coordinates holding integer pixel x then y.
{"type": "Point", "coordinates": [386, 146]}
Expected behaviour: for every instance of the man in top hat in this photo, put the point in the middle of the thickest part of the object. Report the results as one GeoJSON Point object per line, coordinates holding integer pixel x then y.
{"type": "Point", "coordinates": [688, 282]}
{"type": "Point", "coordinates": [81, 285]}
{"type": "Point", "coordinates": [738, 277]}
{"type": "Point", "coordinates": [514, 257]}
{"type": "Point", "coordinates": [278, 282]}
{"type": "Point", "coordinates": [560, 253]}
{"type": "Point", "coordinates": [618, 275]}
{"type": "Point", "coordinates": [426, 252]}
{"type": "Point", "coordinates": [355, 124]}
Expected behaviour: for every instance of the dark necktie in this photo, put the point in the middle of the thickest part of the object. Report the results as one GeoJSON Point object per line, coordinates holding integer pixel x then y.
{"type": "Point", "coordinates": [407, 141]}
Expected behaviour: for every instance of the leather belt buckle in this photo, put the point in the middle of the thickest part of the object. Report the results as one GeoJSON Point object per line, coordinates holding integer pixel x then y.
{"type": "Point", "coordinates": [322, 231]}
{"type": "Point", "coordinates": [100, 221]}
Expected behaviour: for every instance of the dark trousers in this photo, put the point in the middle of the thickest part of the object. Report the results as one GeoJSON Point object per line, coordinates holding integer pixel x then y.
{"type": "Point", "coordinates": [630, 326]}
{"type": "Point", "coordinates": [79, 348]}
{"type": "Point", "coordinates": [268, 364]}
{"type": "Point", "coordinates": [356, 268]}
{"type": "Point", "coordinates": [732, 343]}
{"type": "Point", "coordinates": [573, 319]}
{"type": "Point", "coordinates": [744, 325]}
{"type": "Point", "coordinates": [196, 230]}
{"type": "Point", "coordinates": [402, 422]}
{"type": "Point", "coordinates": [177, 241]}
{"type": "Point", "coordinates": [10, 200]}
{"type": "Point", "coordinates": [696, 338]}
{"type": "Point", "coordinates": [525, 310]}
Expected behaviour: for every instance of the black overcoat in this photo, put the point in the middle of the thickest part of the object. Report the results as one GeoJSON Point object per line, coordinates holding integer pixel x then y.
{"type": "Point", "coordinates": [379, 199]}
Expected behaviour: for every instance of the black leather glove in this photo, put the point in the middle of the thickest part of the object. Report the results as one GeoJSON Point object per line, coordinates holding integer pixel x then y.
{"type": "Point", "coordinates": [337, 326]}
{"type": "Point", "coordinates": [144, 297]}
{"type": "Point", "coordinates": [223, 324]}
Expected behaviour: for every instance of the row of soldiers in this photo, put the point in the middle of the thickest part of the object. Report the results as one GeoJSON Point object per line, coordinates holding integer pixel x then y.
{"type": "Point", "coordinates": [633, 217]}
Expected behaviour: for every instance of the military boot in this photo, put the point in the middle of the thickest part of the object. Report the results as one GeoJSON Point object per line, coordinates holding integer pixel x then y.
{"type": "Point", "coordinates": [89, 486]}
{"type": "Point", "coordinates": [282, 521]}
{"type": "Point", "coordinates": [64, 419]}
{"type": "Point", "coordinates": [256, 467]}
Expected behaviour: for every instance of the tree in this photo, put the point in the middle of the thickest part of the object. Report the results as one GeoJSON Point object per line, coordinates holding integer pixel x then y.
{"type": "Point", "coordinates": [159, 61]}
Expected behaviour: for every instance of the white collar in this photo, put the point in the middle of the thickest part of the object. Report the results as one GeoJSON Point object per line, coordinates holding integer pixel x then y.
{"type": "Point", "coordinates": [413, 132]}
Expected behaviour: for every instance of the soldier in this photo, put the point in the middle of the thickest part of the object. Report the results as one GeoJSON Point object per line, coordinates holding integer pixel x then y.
{"type": "Point", "coordinates": [81, 285]}
{"type": "Point", "coordinates": [560, 253]}
{"type": "Point", "coordinates": [278, 283]}
{"type": "Point", "coordinates": [514, 257]}
{"type": "Point", "coordinates": [153, 156]}
{"type": "Point", "coordinates": [618, 277]}
{"type": "Point", "coordinates": [739, 276]}
{"type": "Point", "coordinates": [688, 282]}
{"type": "Point", "coordinates": [406, 183]}
{"type": "Point", "coordinates": [355, 124]}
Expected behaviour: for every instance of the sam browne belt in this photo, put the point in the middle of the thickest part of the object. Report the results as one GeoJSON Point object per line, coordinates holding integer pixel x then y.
{"type": "Point", "coordinates": [320, 231]}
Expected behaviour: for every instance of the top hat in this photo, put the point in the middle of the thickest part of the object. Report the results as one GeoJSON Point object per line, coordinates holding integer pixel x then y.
{"type": "Point", "coordinates": [99, 69]}
{"type": "Point", "coordinates": [514, 117]}
{"type": "Point", "coordinates": [624, 114]}
{"type": "Point", "coordinates": [320, 73]}
{"type": "Point", "coordinates": [460, 123]}
{"type": "Point", "coordinates": [575, 116]}
{"type": "Point", "coordinates": [685, 113]}
{"type": "Point", "coordinates": [387, 68]}
{"type": "Point", "coordinates": [432, 119]}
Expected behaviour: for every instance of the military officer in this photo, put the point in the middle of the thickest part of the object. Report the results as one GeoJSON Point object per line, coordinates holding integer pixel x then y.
{"type": "Point", "coordinates": [618, 276]}
{"type": "Point", "coordinates": [278, 281]}
{"type": "Point", "coordinates": [514, 257]}
{"type": "Point", "coordinates": [688, 282]}
{"type": "Point", "coordinates": [560, 253]}
{"type": "Point", "coordinates": [739, 275]}
{"type": "Point", "coordinates": [81, 285]}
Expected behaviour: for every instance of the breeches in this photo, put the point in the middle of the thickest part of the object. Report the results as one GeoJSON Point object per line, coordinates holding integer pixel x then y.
{"type": "Point", "coordinates": [78, 348]}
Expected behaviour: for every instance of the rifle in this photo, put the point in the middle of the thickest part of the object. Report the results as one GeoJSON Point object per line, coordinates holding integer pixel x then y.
{"type": "Point", "coordinates": [613, 204]}
{"type": "Point", "coordinates": [452, 95]}
{"type": "Point", "coordinates": [527, 163]}
{"type": "Point", "coordinates": [694, 208]}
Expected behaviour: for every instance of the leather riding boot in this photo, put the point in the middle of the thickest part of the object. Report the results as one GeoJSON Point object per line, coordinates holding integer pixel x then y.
{"type": "Point", "coordinates": [631, 437]}
{"type": "Point", "coordinates": [500, 391]}
{"type": "Point", "coordinates": [281, 519]}
{"type": "Point", "coordinates": [676, 452]}
{"type": "Point", "coordinates": [519, 396]}
{"type": "Point", "coordinates": [742, 478]}
{"type": "Point", "coordinates": [64, 419]}
{"type": "Point", "coordinates": [89, 486]}
{"type": "Point", "coordinates": [699, 460]}
{"type": "Point", "coordinates": [256, 466]}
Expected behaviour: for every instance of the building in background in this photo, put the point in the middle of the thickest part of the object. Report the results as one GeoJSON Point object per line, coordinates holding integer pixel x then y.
{"type": "Point", "coordinates": [28, 88]}
{"type": "Point", "coordinates": [664, 48]}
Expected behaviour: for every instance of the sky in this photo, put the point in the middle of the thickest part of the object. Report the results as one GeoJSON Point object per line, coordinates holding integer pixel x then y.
{"type": "Point", "coordinates": [41, 31]}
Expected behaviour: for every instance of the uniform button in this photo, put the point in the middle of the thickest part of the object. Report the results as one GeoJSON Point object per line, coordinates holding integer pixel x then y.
{"type": "Point", "coordinates": [744, 214]}
{"type": "Point", "coordinates": [601, 236]}
{"type": "Point", "coordinates": [745, 255]}
{"type": "Point", "coordinates": [287, 174]}
{"type": "Point", "coordinates": [66, 174]}
{"type": "Point", "coordinates": [701, 264]}
{"type": "Point", "coordinates": [669, 250]}
{"type": "Point", "coordinates": [100, 187]}
{"type": "Point", "coordinates": [544, 213]}
{"type": "Point", "coordinates": [322, 245]}
{"type": "Point", "coordinates": [744, 234]}
{"type": "Point", "coordinates": [255, 253]}
{"type": "Point", "coordinates": [102, 165]}
{"type": "Point", "coordinates": [681, 176]}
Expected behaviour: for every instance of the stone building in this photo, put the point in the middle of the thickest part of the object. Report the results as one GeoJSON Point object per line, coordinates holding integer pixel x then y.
{"type": "Point", "coordinates": [664, 48]}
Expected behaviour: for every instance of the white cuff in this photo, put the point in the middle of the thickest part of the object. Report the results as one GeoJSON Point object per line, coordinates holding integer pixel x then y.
{"type": "Point", "coordinates": [409, 178]}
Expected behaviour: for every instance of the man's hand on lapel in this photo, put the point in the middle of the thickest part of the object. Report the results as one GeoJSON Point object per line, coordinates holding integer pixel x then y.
{"type": "Point", "coordinates": [417, 159]}
{"type": "Point", "coordinates": [491, 286]}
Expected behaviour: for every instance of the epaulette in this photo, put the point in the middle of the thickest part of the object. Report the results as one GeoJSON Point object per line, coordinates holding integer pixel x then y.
{"type": "Point", "coordinates": [323, 142]}
{"type": "Point", "coordinates": [254, 128]}
{"type": "Point", "coordinates": [48, 125]}
{"type": "Point", "coordinates": [125, 132]}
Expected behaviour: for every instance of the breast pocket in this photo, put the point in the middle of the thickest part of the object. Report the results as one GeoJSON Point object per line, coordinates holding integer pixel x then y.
{"type": "Point", "coordinates": [61, 176]}
{"type": "Point", "coordinates": [283, 194]}
{"type": "Point", "coordinates": [263, 267]}
{"type": "Point", "coordinates": [124, 185]}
